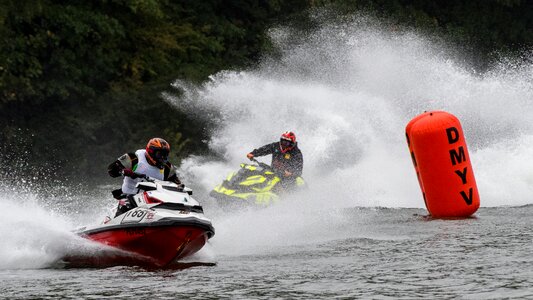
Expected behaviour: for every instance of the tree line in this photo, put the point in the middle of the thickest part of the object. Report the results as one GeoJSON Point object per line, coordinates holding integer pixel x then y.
{"type": "Point", "coordinates": [80, 80]}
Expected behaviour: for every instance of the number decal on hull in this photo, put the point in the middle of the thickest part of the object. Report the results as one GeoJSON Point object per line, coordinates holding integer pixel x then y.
{"type": "Point", "coordinates": [134, 216]}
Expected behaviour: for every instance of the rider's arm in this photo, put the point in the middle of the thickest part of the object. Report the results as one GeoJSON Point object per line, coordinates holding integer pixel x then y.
{"type": "Point", "coordinates": [298, 164]}
{"type": "Point", "coordinates": [172, 174]}
{"type": "Point", "coordinates": [265, 150]}
{"type": "Point", "coordinates": [126, 161]}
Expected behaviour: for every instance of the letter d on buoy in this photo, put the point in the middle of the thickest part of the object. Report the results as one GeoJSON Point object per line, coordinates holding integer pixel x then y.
{"type": "Point", "coordinates": [442, 163]}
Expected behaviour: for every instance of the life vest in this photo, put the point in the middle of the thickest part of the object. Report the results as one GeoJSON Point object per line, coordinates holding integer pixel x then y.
{"type": "Point", "coordinates": [142, 167]}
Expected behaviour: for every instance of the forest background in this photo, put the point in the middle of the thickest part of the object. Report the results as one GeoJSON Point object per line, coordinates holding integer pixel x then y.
{"type": "Point", "coordinates": [81, 81]}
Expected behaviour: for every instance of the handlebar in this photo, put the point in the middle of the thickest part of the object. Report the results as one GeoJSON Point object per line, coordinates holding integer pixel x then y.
{"type": "Point", "coordinates": [142, 176]}
{"type": "Point", "coordinates": [146, 177]}
{"type": "Point", "coordinates": [261, 164]}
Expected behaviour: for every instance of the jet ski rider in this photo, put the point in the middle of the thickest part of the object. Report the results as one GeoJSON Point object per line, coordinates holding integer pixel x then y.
{"type": "Point", "coordinates": [287, 159]}
{"type": "Point", "coordinates": [152, 162]}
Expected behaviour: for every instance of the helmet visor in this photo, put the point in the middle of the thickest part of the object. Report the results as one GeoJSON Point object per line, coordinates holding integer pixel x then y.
{"type": "Point", "coordinates": [160, 155]}
{"type": "Point", "coordinates": [286, 143]}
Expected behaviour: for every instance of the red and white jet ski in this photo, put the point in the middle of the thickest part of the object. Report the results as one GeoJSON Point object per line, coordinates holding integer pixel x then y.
{"type": "Point", "coordinates": [165, 225]}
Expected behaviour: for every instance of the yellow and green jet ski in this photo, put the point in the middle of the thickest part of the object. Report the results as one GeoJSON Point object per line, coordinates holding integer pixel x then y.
{"type": "Point", "coordinates": [252, 185]}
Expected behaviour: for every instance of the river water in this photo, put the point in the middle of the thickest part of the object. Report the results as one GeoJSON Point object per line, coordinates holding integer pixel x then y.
{"type": "Point", "coordinates": [347, 89]}
{"type": "Point", "coordinates": [344, 253]}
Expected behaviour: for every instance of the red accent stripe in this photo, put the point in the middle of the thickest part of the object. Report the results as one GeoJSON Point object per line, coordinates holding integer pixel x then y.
{"type": "Point", "coordinates": [150, 200]}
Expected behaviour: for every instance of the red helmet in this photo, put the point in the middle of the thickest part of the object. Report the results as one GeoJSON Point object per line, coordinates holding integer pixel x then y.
{"type": "Point", "coordinates": [287, 141]}
{"type": "Point", "coordinates": [157, 151]}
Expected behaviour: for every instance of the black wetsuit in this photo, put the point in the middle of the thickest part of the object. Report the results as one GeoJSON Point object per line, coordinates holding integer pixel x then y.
{"type": "Point", "coordinates": [291, 161]}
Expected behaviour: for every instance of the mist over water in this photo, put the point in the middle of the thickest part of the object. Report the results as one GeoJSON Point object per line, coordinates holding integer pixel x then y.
{"type": "Point", "coordinates": [37, 222]}
{"type": "Point", "coordinates": [347, 90]}
{"type": "Point", "coordinates": [32, 237]}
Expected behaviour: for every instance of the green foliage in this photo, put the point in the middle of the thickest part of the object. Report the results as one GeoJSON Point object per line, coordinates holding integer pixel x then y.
{"type": "Point", "coordinates": [80, 80]}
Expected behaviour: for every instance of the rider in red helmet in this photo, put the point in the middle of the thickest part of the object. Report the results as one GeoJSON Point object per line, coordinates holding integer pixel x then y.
{"type": "Point", "coordinates": [287, 159]}
{"type": "Point", "coordinates": [151, 161]}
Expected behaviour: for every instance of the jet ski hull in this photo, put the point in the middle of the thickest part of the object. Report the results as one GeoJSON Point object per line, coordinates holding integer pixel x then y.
{"type": "Point", "coordinates": [165, 225]}
{"type": "Point", "coordinates": [252, 186]}
{"type": "Point", "coordinates": [159, 245]}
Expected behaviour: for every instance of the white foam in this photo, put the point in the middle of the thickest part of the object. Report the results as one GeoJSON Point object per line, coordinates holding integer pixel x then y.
{"type": "Point", "coordinates": [347, 91]}
{"type": "Point", "coordinates": [36, 230]}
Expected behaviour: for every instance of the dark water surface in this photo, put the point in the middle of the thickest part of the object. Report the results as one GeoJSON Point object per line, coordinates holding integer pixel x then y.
{"type": "Point", "coordinates": [373, 253]}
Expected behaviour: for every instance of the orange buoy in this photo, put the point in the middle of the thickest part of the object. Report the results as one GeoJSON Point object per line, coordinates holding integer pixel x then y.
{"type": "Point", "coordinates": [441, 160]}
